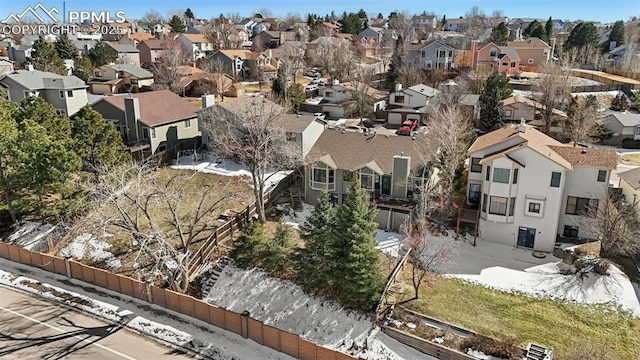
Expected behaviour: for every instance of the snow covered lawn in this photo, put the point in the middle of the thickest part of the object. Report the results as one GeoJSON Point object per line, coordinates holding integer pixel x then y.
{"type": "Point", "coordinates": [546, 281]}
{"type": "Point", "coordinates": [31, 235]}
{"type": "Point", "coordinates": [208, 164]}
{"type": "Point", "coordinates": [87, 246]}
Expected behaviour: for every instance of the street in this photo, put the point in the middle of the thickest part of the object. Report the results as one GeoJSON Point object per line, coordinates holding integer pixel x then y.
{"type": "Point", "coordinates": [31, 328]}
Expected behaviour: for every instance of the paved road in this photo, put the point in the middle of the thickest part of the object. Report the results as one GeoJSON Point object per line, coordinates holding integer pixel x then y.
{"type": "Point", "coordinates": [31, 328]}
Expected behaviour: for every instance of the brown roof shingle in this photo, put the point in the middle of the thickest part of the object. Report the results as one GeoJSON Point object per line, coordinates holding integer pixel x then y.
{"type": "Point", "coordinates": [603, 158]}
{"type": "Point", "coordinates": [157, 107]}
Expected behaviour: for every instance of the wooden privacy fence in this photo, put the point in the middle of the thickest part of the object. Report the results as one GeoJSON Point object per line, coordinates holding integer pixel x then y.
{"type": "Point", "coordinates": [430, 348]}
{"type": "Point", "coordinates": [235, 224]}
{"type": "Point", "coordinates": [241, 324]}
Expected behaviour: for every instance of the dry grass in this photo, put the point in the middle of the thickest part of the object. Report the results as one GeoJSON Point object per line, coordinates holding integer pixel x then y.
{"type": "Point", "coordinates": [557, 324]}
{"type": "Point", "coordinates": [198, 101]}
{"type": "Point", "coordinates": [631, 159]}
{"type": "Point", "coordinates": [592, 248]}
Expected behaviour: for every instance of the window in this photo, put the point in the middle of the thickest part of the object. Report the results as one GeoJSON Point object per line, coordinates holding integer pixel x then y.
{"type": "Point", "coordinates": [501, 175]}
{"type": "Point", "coordinates": [366, 181]}
{"type": "Point", "coordinates": [133, 81]}
{"type": "Point", "coordinates": [27, 93]}
{"type": "Point", "coordinates": [515, 176]}
{"type": "Point", "coordinates": [474, 193]}
{"type": "Point", "coordinates": [507, 113]}
{"type": "Point", "coordinates": [530, 61]}
{"type": "Point", "coordinates": [498, 205]}
{"type": "Point", "coordinates": [534, 207]}
{"type": "Point", "coordinates": [442, 53]}
{"type": "Point", "coordinates": [347, 175]}
{"type": "Point", "coordinates": [423, 53]}
{"type": "Point", "coordinates": [399, 99]}
{"type": "Point", "coordinates": [602, 175]}
{"type": "Point", "coordinates": [187, 123]}
{"type": "Point", "coordinates": [493, 52]}
{"type": "Point", "coordinates": [145, 133]}
{"type": "Point", "coordinates": [513, 64]}
{"type": "Point", "coordinates": [98, 74]}
{"type": "Point", "coordinates": [60, 112]}
{"type": "Point", "coordinates": [61, 94]}
{"type": "Point", "coordinates": [322, 178]}
{"type": "Point", "coordinates": [475, 165]}
{"type": "Point", "coordinates": [69, 93]}
{"type": "Point", "coordinates": [579, 206]}
{"type": "Point", "coordinates": [450, 53]}
{"type": "Point", "coordinates": [570, 231]}
{"type": "Point", "coordinates": [512, 206]}
{"type": "Point", "coordinates": [486, 177]}
{"type": "Point", "coordinates": [153, 133]}
{"type": "Point", "coordinates": [328, 94]}
{"type": "Point", "coordinates": [555, 179]}
{"type": "Point", "coordinates": [638, 130]}
{"type": "Point", "coordinates": [505, 64]}
{"type": "Point", "coordinates": [484, 203]}
{"type": "Point", "coordinates": [386, 185]}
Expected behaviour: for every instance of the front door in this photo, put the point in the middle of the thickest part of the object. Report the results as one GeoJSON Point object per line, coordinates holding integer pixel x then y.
{"type": "Point", "coordinates": [526, 237]}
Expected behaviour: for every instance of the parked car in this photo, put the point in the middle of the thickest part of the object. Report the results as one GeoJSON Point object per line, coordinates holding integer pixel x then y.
{"type": "Point", "coordinates": [320, 116]}
{"type": "Point", "coordinates": [407, 127]}
{"type": "Point", "coordinates": [312, 74]}
{"type": "Point", "coordinates": [356, 128]}
{"type": "Point", "coordinates": [311, 87]}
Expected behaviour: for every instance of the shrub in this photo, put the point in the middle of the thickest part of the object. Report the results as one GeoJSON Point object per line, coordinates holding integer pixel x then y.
{"type": "Point", "coordinates": [631, 144]}
{"type": "Point", "coordinates": [505, 349]}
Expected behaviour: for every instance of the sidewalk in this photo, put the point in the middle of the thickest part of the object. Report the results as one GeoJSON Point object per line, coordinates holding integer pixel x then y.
{"type": "Point", "coordinates": [166, 326]}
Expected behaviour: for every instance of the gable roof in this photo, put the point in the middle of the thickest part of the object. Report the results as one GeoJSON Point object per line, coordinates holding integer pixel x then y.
{"type": "Point", "coordinates": [515, 99]}
{"type": "Point", "coordinates": [530, 43]}
{"type": "Point", "coordinates": [157, 107]}
{"type": "Point", "coordinates": [132, 69]}
{"type": "Point", "coordinates": [196, 38]}
{"type": "Point", "coordinates": [36, 80]}
{"type": "Point", "coordinates": [123, 48]}
{"type": "Point", "coordinates": [509, 51]}
{"type": "Point", "coordinates": [155, 44]}
{"type": "Point", "coordinates": [424, 89]}
{"type": "Point", "coordinates": [370, 91]}
{"type": "Point", "coordinates": [625, 119]}
{"type": "Point", "coordinates": [632, 177]}
{"type": "Point", "coordinates": [351, 150]}
{"type": "Point", "coordinates": [602, 158]}
{"type": "Point", "coordinates": [243, 54]}
{"type": "Point", "coordinates": [140, 36]}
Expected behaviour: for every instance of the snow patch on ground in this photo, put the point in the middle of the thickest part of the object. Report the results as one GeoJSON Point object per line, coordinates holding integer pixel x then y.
{"type": "Point", "coordinates": [547, 281]}
{"type": "Point", "coordinates": [87, 246]}
{"type": "Point", "coordinates": [480, 355]}
{"type": "Point", "coordinates": [209, 164]}
{"type": "Point", "coordinates": [284, 305]}
{"type": "Point", "coordinates": [163, 332]}
{"type": "Point", "coordinates": [297, 218]}
{"type": "Point", "coordinates": [31, 235]}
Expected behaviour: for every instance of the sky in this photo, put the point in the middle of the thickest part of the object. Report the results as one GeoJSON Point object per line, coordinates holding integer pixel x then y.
{"type": "Point", "coordinates": [594, 10]}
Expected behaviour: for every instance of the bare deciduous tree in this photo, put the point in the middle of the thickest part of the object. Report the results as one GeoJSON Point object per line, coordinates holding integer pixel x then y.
{"type": "Point", "coordinates": [362, 79]}
{"type": "Point", "coordinates": [252, 134]}
{"type": "Point", "coordinates": [222, 33]}
{"type": "Point", "coordinates": [403, 26]}
{"type": "Point", "coordinates": [551, 88]}
{"type": "Point", "coordinates": [166, 69]}
{"type": "Point", "coordinates": [411, 75]}
{"type": "Point", "coordinates": [583, 117]}
{"type": "Point", "coordinates": [615, 223]}
{"type": "Point", "coordinates": [160, 213]}
{"type": "Point", "coordinates": [151, 18]}
{"type": "Point", "coordinates": [474, 23]}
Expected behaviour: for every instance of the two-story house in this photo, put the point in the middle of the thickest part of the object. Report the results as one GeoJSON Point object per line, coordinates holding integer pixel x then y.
{"type": "Point", "coordinates": [117, 78]}
{"type": "Point", "coordinates": [151, 50]}
{"type": "Point", "coordinates": [533, 52]}
{"type": "Point", "coordinates": [127, 53]}
{"type": "Point", "coordinates": [338, 98]}
{"type": "Point", "coordinates": [197, 45]}
{"type": "Point", "coordinates": [272, 39]}
{"type": "Point", "coordinates": [409, 104]}
{"type": "Point", "coordinates": [503, 59]}
{"type": "Point", "coordinates": [428, 21]}
{"type": "Point", "coordinates": [152, 123]}
{"type": "Point", "coordinates": [518, 107]}
{"type": "Point", "coordinates": [246, 24]}
{"type": "Point", "coordinates": [243, 64]}
{"type": "Point", "coordinates": [530, 188]}
{"type": "Point", "coordinates": [67, 94]}
{"type": "Point", "coordinates": [6, 66]}
{"type": "Point", "coordinates": [385, 166]}
{"type": "Point", "coordinates": [432, 55]}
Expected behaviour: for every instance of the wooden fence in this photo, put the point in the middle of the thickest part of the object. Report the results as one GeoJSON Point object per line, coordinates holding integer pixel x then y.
{"type": "Point", "coordinates": [430, 348]}
{"type": "Point", "coordinates": [235, 224]}
{"type": "Point", "coordinates": [622, 72]}
{"type": "Point", "coordinates": [577, 89]}
{"type": "Point", "coordinates": [241, 324]}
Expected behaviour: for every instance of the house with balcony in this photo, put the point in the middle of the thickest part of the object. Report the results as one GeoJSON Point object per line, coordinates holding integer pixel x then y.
{"type": "Point", "coordinates": [197, 45]}
{"type": "Point", "coordinates": [525, 188]}
{"type": "Point", "coordinates": [429, 56]}
{"type": "Point", "coordinates": [154, 123]}
{"type": "Point", "coordinates": [67, 94]}
{"type": "Point", "coordinates": [503, 59]}
{"type": "Point", "coordinates": [385, 167]}
{"type": "Point", "coordinates": [118, 78]}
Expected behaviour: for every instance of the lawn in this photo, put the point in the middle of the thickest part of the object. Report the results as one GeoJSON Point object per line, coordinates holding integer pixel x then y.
{"type": "Point", "coordinates": [631, 159]}
{"type": "Point", "coordinates": [557, 324]}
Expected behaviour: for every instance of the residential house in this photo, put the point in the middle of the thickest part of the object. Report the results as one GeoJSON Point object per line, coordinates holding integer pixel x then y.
{"type": "Point", "coordinates": [119, 78]}
{"type": "Point", "coordinates": [272, 39]}
{"type": "Point", "coordinates": [151, 50]}
{"type": "Point", "coordinates": [533, 52]}
{"type": "Point", "coordinates": [429, 21]}
{"type": "Point", "coordinates": [409, 104]}
{"type": "Point", "coordinates": [529, 188]}
{"type": "Point", "coordinates": [503, 59]}
{"type": "Point", "coordinates": [316, 49]}
{"type": "Point", "coordinates": [623, 125]}
{"type": "Point", "coordinates": [67, 94]}
{"type": "Point", "coordinates": [432, 55]}
{"type": "Point", "coordinates": [6, 66]}
{"type": "Point", "coordinates": [244, 64]}
{"type": "Point", "coordinates": [127, 54]}
{"type": "Point", "coordinates": [630, 186]}
{"type": "Point", "coordinates": [136, 38]}
{"type": "Point", "coordinates": [468, 104]}
{"type": "Point", "coordinates": [367, 46]}
{"type": "Point", "coordinates": [339, 98]}
{"type": "Point", "coordinates": [161, 29]}
{"type": "Point", "coordinates": [384, 166]}
{"type": "Point", "coordinates": [259, 27]}
{"type": "Point", "coordinates": [197, 45]}
{"type": "Point", "coordinates": [455, 24]}
{"type": "Point", "coordinates": [152, 123]}
{"type": "Point", "coordinates": [518, 107]}
{"type": "Point", "coordinates": [197, 82]}
{"type": "Point", "coordinates": [246, 24]}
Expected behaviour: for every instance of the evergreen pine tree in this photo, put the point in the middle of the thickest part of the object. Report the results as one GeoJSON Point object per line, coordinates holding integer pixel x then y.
{"type": "Point", "coordinates": [296, 96]}
{"type": "Point", "coordinates": [396, 61]}
{"type": "Point", "coordinates": [491, 108]}
{"type": "Point", "coordinates": [39, 110]}
{"type": "Point", "coordinates": [82, 68]}
{"type": "Point", "coordinates": [548, 29]}
{"type": "Point", "coordinates": [96, 141]}
{"type": "Point", "coordinates": [249, 245]}
{"type": "Point", "coordinates": [619, 103]}
{"type": "Point", "coordinates": [65, 48]}
{"type": "Point", "coordinates": [276, 257]}
{"type": "Point", "coordinates": [45, 58]}
{"type": "Point", "coordinates": [616, 36]}
{"type": "Point", "coordinates": [176, 24]}
{"type": "Point", "coordinates": [102, 54]}
{"type": "Point", "coordinates": [500, 34]}
{"type": "Point", "coordinates": [313, 270]}
{"type": "Point", "coordinates": [189, 14]}
{"type": "Point", "coordinates": [354, 259]}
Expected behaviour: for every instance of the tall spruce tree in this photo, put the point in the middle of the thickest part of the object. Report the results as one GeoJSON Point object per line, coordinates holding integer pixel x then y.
{"type": "Point", "coordinates": [396, 61]}
{"type": "Point", "coordinates": [548, 29]}
{"type": "Point", "coordinates": [249, 245]}
{"type": "Point", "coordinates": [500, 34]}
{"type": "Point", "coordinates": [96, 141]}
{"type": "Point", "coordinates": [102, 54]}
{"type": "Point", "coordinates": [491, 108]}
{"type": "Point", "coordinates": [354, 259]}
{"type": "Point", "coordinates": [276, 257]}
{"type": "Point", "coordinates": [616, 36]}
{"type": "Point", "coordinates": [82, 68]}
{"type": "Point", "coordinates": [44, 57]}
{"type": "Point", "coordinates": [312, 261]}
{"type": "Point", "coordinates": [65, 48]}
{"type": "Point", "coordinates": [177, 24]}
{"type": "Point", "coordinates": [8, 136]}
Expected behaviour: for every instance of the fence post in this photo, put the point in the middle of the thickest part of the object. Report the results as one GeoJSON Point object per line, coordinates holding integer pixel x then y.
{"type": "Point", "coordinates": [148, 289]}
{"type": "Point", "coordinates": [244, 324]}
{"type": "Point", "coordinates": [67, 265]}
